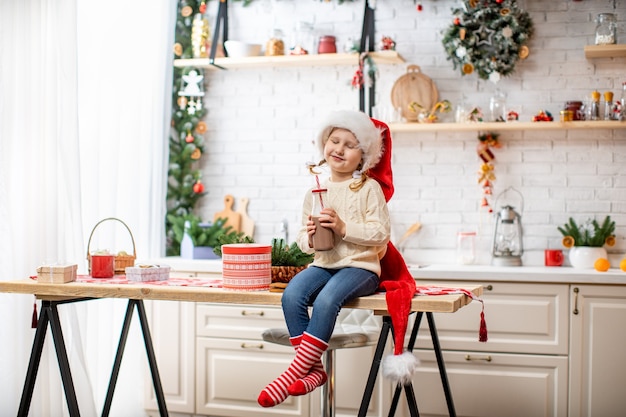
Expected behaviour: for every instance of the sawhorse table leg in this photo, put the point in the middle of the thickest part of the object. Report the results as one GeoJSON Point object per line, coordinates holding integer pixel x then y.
{"type": "Point", "coordinates": [50, 315]}
{"type": "Point", "coordinates": [410, 394]}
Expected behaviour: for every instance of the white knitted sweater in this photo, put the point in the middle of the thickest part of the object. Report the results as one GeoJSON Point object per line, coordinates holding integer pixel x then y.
{"type": "Point", "coordinates": [367, 222]}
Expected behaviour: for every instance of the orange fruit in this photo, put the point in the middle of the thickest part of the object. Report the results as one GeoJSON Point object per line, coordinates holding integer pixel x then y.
{"type": "Point", "coordinates": [602, 265]}
{"type": "Point", "coordinates": [622, 265]}
{"type": "Point", "coordinates": [610, 241]}
{"type": "Point", "coordinates": [568, 241]}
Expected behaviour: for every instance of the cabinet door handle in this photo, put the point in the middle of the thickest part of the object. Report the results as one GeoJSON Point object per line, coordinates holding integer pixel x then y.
{"type": "Point", "coordinates": [576, 290]}
{"type": "Point", "coordinates": [484, 358]}
{"type": "Point", "coordinates": [489, 287]}
{"type": "Point", "coordinates": [249, 346]}
{"type": "Point", "coordinates": [252, 313]}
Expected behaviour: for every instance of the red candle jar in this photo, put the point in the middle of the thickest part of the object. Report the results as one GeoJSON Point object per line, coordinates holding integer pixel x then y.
{"type": "Point", "coordinates": [576, 108]}
{"type": "Point", "coordinates": [102, 266]}
{"type": "Point", "coordinates": [327, 45]}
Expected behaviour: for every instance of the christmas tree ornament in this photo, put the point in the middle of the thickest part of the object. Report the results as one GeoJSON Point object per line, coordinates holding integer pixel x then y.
{"type": "Point", "coordinates": [178, 49]}
{"type": "Point", "coordinates": [196, 154]}
{"type": "Point", "coordinates": [488, 38]}
{"type": "Point", "coordinates": [186, 11]}
{"type": "Point", "coordinates": [201, 127]}
{"type": "Point", "coordinates": [198, 187]}
{"type": "Point", "coordinates": [189, 138]}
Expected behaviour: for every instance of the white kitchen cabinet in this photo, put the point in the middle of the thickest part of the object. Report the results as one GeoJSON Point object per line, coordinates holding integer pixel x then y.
{"type": "Point", "coordinates": [233, 364]}
{"type": "Point", "coordinates": [521, 371]}
{"type": "Point", "coordinates": [597, 355]}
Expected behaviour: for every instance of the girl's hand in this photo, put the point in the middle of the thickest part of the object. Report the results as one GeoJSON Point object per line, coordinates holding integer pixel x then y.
{"type": "Point", "coordinates": [310, 229]}
{"type": "Point", "coordinates": [331, 220]}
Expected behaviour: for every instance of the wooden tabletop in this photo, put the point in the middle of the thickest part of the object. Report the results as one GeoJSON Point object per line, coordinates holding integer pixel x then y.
{"type": "Point", "coordinates": [141, 291]}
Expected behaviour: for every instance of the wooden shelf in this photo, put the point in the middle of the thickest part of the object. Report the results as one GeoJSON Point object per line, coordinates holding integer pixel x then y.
{"type": "Point", "coordinates": [605, 51]}
{"type": "Point", "coordinates": [508, 126]}
{"type": "Point", "coordinates": [382, 57]}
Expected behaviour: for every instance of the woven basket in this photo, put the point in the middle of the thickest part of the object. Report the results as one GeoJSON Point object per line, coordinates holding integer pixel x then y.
{"type": "Point", "coordinates": [285, 273]}
{"type": "Point", "coordinates": [121, 261]}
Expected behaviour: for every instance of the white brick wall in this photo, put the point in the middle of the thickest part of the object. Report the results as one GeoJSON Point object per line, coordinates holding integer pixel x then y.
{"type": "Point", "coordinates": [262, 123]}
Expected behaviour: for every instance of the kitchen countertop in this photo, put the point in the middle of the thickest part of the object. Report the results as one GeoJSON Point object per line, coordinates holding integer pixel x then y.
{"type": "Point", "coordinates": [539, 274]}
{"type": "Point", "coordinates": [481, 273]}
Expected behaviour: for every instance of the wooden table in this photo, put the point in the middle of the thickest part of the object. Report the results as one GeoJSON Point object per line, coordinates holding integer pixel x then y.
{"type": "Point", "coordinates": [53, 295]}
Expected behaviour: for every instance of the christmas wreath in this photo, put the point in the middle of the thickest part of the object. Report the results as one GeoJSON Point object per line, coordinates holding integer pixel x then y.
{"type": "Point", "coordinates": [488, 37]}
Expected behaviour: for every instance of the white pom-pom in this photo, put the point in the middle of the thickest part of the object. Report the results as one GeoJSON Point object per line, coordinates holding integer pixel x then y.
{"type": "Point", "coordinates": [400, 368]}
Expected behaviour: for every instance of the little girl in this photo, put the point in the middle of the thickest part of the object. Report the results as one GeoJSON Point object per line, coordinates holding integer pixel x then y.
{"type": "Point", "coordinates": [356, 212]}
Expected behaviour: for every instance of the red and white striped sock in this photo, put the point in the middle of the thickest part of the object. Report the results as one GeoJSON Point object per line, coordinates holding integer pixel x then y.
{"type": "Point", "coordinates": [316, 378]}
{"type": "Point", "coordinates": [308, 353]}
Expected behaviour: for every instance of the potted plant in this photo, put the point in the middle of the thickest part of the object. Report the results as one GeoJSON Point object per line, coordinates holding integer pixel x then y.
{"type": "Point", "coordinates": [229, 238]}
{"type": "Point", "coordinates": [287, 260]}
{"type": "Point", "coordinates": [586, 241]}
{"type": "Point", "coordinates": [197, 240]}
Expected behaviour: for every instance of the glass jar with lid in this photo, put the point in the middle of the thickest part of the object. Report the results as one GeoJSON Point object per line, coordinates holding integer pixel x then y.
{"type": "Point", "coordinates": [606, 30]}
{"type": "Point", "coordinates": [466, 247]}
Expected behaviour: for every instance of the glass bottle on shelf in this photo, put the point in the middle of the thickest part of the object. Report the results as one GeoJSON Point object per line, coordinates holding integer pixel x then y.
{"type": "Point", "coordinates": [594, 108]}
{"type": "Point", "coordinates": [497, 106]}
{"type": "Point", "coordinates": [606, 30]}
{"type": "Point", "coordinates": [275, 45]}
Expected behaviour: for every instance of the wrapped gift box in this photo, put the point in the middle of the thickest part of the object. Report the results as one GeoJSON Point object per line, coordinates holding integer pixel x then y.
{"type": "Point", "coordinates": [247, 266]}
{"type": "Point", "coordinates": [57, 274]}
{"type": "Point", "coordinates": [144, 273]}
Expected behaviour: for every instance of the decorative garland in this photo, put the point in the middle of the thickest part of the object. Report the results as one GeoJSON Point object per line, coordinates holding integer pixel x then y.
{"type": "Point", "coordinates": [488, 37]}
{"type": "Point", "coordinates": [486, 173]}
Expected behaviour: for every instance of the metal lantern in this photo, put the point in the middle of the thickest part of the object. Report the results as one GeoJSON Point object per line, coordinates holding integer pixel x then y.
{"type": "Point", "coordinates": [508, 245]}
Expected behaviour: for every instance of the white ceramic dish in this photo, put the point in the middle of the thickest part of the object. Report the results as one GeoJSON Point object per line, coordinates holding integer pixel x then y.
{"type": "Point", "coordinates": [239, 49]}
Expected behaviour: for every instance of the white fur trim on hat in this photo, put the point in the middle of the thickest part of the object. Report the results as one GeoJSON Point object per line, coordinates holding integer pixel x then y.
{"type": "Point", "coordinates": [400, 368]}
{"type": "Point", "coordinates": [369, 136]}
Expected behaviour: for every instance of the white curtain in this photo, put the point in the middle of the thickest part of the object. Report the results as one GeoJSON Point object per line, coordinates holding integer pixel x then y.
{"type": "Point", "coordinates": [85, 93]}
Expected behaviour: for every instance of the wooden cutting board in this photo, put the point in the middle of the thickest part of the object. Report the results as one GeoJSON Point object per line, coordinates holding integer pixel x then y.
{"type": "Point", "coordinates": [247, 224]}
{"type": "Point", "coordinates": [413, 86]}
{"type": "Point", "coordinates": [233, 218]}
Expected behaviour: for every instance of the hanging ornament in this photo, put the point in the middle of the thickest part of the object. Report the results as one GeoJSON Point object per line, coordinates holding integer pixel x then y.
{"type": "Point", "coordinates": [198, 187]}
{"type": "Point", "coordinates": [178, 49]}
{"type": "Point", "coordinates": [189, 138]}
{"type": "Point", "coordinates": [493, 36]}
{"type": "Point", "coordinates": [486, 173]}
{"type": "Point", "coordinates": [191, 87]}
{"type": "Point", "coordinates": [196, 154]}
{"type": "Point", "coordinates": [186, 11]}
{"type": "Point", "coordinates": [201, 127]}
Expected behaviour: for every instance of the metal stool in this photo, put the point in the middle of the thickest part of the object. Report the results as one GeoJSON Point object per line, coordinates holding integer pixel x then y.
{"type": "Point", "coordinates": [354, 329]}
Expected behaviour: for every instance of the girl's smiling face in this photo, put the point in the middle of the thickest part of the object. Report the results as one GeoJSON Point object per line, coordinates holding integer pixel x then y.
{"type": "Point", "coordinates": [342, 154]}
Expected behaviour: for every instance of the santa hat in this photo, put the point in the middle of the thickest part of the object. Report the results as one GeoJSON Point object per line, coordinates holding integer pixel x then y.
{"type": "Point", "coordinates": [395, 278]}
{"type": "Point", "coordinates": [398, 283]}
{"type": "Point", "coordinates": [363, 129]}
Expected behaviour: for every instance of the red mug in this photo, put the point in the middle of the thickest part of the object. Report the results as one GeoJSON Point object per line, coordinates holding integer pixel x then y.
{"type": "Point", "coordinates": [102, 266]}
{"type": "Point", "coordinates": [553, 257]}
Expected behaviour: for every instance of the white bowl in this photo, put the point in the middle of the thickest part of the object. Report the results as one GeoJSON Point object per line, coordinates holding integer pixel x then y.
{"type": "Point", "coordinates": [239, 49]}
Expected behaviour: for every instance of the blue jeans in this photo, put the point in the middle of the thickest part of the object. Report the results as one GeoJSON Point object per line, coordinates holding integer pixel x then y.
{"type": "Point", "coordinates": [326, 290]}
